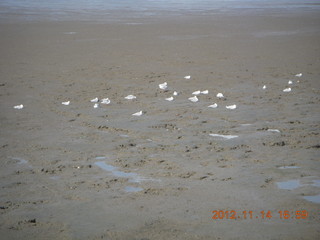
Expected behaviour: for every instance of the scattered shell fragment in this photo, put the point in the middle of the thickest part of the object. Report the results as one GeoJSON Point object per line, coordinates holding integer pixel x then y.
{"type": "Point", "coordinates": [287, 90]}
{"type": "Point", "coordinates": [264, 87]}
{"type": "Point", "coordinates": [66, 103]}
{"type": "Point", "coordinates": [187, 77]}
{"type": "Point", "coordinates": [231, 107]}
{"type": "Point", "coordinates": [299, 75]}
{"type": "Point", "coordinates": [175, 93]}
{"type": "Point", "coordinates": [290, 82]}
{"type": "Point", "coordinates": [18, 106]}
{"type": "Point", "coordinates": [95, 100]}
{"type": "Point", "coordinates": [205, 92]}
{"type": "Point", "coordinates": [170, 99]}
{"type": "Point", "coordinates": [223, 136]}
{"type": "Point", "coordinates": [213, 105]}
{"type": "Point", "coordinates": [163, 86]}
{"type": "Point", "coordinates": [105, 101]}
{"type": "Point", "coordinates": [137, 114]}
{"type": "Point", "coordinates": [193, 99]}
{"type": "Point", "coordinates": [196, 92]}
{"type": "Point", "coordinates": [220, 95]}
{"type": "Point", "coordinates": [96, 105]}
{"type": "Point", "coordinates": [130, 97]}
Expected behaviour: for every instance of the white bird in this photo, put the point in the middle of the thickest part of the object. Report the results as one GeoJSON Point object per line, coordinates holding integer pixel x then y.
{"type": "Point", "coordinates": [95, 100]}
{"type": "Point", "coordinates": [163, 85]}
{"type": "Point", "coordinates": [187, 77]}
{"type": "Point", "coordinates": [170, 99]}
{"type": "Point", "coordinates": [18, 106]}
{"type": "Point", "coordinates": [196, 92]}
{"type": "Point", "coordinates": [290, 82]}
{"type": "Point", "coordinates": [287, 90]}
{"type": "Point", "coordinates": [231, 107]}
{"type": "Point", "coordinates": [105, 101]}
{"type": "Point", "coordinates": [175, 93]}
{"type": "Point", "coordinates": [264, 87]}
{"type": "Point", "coordinates": [66, 103]}
{"type": "Point", "coordinates": [299, 75]}
{"type": "Point", "coordinates": [96, 105]}
{"type": "Point", "coordinates": [129, 97]}
{"type": "Point", "coordinates": [205, 92]}
{"type": "Point", "coordinates": [213, 105]}
{"type": "Point", "coordinates": [220, 95]}
{"type": "Point", "coordinates": [137, 114]}
{"type": "Point", "coordinates": [193, 99]}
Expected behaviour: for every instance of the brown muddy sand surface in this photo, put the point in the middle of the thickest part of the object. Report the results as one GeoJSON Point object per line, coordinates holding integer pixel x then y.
{"type": "Point", "coordinates": [79, 172]}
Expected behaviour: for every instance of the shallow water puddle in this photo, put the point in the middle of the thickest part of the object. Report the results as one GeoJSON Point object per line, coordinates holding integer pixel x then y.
{"type": "Point", "coordinates": [288, 167]}
{"type": "Point", "coordinates": [293, 184]}
{"type": "Point", "coordinates": [105, 166]}
{"type": "Point", "coordinates": [133, 177]}
{"type": "Point", "coordinates": [245, 124]}
{"type": "Point", "coordinates": [21, 160]}
{"type": "Point", "coordinates": [124, 135]}
{"type": "Point", "coordinates": [314, 199]}
{"type": "Point", "coordinates": [316, 183]}
{"type": "Point", "coordinates": [275, 33]}
{"type": "Point", "coordinates": [55, 177]}
{"type": "Point", "coordinates": [289, 185]}
{"type": "Point", "coordinates": [133, 189]}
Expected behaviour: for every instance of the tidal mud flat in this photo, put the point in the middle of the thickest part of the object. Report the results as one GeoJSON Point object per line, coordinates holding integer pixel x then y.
{"type": "Point", "coordinates": [76, 171]}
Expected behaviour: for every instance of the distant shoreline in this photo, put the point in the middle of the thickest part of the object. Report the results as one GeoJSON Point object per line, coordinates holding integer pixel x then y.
{"type": "Point", "coordinates": [100, 11]}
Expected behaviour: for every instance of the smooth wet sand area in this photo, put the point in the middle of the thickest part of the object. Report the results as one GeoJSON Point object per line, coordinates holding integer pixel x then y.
{"type": "Point", "coordinates": [60, 193]}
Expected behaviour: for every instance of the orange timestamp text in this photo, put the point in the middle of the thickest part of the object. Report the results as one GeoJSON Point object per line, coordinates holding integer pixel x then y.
{"type": "Point", "coordinates": [282, 214]}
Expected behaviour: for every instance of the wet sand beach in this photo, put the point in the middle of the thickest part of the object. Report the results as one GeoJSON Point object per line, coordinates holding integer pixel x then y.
{"type": "Point", "coordinates": [79, 172]}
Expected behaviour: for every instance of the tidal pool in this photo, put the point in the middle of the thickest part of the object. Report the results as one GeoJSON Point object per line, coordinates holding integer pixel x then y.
{"type": "Point", "coordinates": [133, 177]}
{"type": "Point", "coordinates": [289, 185]}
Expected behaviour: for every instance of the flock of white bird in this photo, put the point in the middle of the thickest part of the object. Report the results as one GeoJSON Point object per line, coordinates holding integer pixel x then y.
{"type": "Point", "coordinates": [164, 86]}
